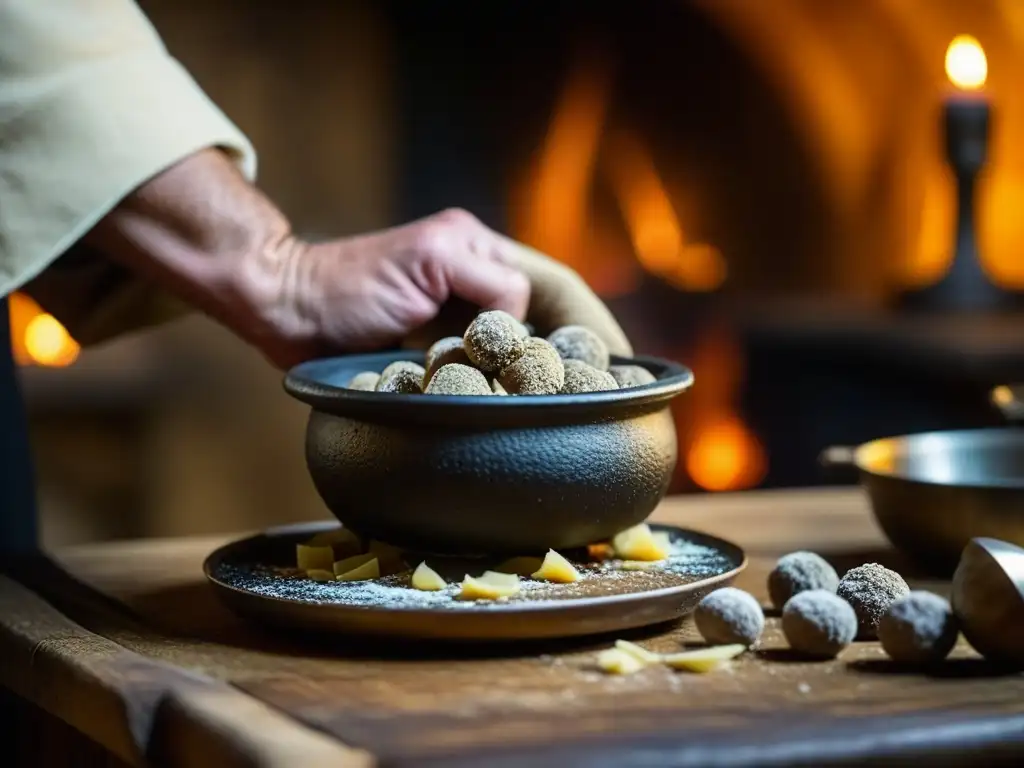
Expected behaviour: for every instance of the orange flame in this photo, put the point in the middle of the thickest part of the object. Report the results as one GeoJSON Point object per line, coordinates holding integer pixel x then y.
{"type": "Point", "coordinates": [653, 225]}
{"type": "Point", "coordinates": [37, 337]}
{"type": "Point", "coordinates": [723, 453]}
{"type": "Point", "coordinates": [554, 213]}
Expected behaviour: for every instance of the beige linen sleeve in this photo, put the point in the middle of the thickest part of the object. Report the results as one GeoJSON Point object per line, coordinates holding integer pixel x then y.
{"type": "Point", "coordinates": [91, 106]}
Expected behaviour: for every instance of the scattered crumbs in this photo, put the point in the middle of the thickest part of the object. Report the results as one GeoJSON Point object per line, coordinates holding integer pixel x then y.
{"type": "Point", "coordinates": [688, 561]}
{"type": "Point", "coordinates": [804, 688]}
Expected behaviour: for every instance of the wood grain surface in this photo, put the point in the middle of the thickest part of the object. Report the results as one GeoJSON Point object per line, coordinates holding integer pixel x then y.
{"type": "Point", "coordinates": [547, 705]}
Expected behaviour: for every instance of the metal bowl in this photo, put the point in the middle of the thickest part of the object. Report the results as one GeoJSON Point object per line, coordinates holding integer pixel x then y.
{"type": "Point", "coordinates": [477, 475]}
{"type": "Point", "coordinates": [933, 492]}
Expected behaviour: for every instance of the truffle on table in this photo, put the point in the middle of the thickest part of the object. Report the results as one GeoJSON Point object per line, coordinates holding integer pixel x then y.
{"type": "Point", "coordinates": [494, 340]}
{"type": "Point", "coordinates": [818, 623]}
{"type": "Point", "coordinates": [538, 372]}
{"type": "Point", "coordinates": [728, 616]}
{"type": "Point", "coordinates": [364, 382]}
{"type": "Point", "coordinates": [402, 377]}
{"type": "Point", "coordinates": [458, 379]}
{"type": "Point", "coordinates": [918, 629]}
{"type": "Point", "coordinates": [581, 378]}
{"type": "Point", "coordinates": [800, 572]}
{"type": "Point", "coordinates": [627, 376]}
{"type": "Point", "coordinates": [576, 342]}
{"type": "Point", "coordinates": [870, 589]}
{"type": "Point", "coordinates": [442, 352]}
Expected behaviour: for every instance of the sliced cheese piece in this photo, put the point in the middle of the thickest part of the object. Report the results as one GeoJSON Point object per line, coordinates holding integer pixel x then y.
{"type": "Point", "coordinates": [390, 558]}
{"type": "Point", "coordinates": [347, 564]}
{"type": "Point", "coordinates": [637, 543]}
{"type": "Point", "coordinates": [617, 662]}
{"type": "Point", "coordinates": [313, 558]}
{"type": "Point", "coordinates": [638, 652]}
{"type": "Point", "coordinates": [503, 580]}
{"type": "Point", "coordinates": [365, 572]}
{"type": "Point", "coordinates": [521, 566]}
{"type": "Point", "coordinates": [427, 579]}
{"type": "Point", "coordinates": [703, 659]}
{"type": "Point", "coordinates": [319, 574]}
{"type": "Point", "coordinates": [557, 569]}
{"type": "Point", "coordinates": [342, 540]}
{"type": "Point", "coordinates": [476, 589]}
{"type": "Point", "coordinates": [600, 552]}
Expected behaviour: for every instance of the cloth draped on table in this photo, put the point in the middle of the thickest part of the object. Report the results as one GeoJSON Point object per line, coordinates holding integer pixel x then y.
{"type": "Point", "coordinates": [18, 526]}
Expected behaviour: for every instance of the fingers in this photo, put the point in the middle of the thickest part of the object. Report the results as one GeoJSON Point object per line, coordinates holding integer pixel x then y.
{"type": "Point", "coordinates": [489, 284]}
{"type": "Point", "coordinates": [560, 297]}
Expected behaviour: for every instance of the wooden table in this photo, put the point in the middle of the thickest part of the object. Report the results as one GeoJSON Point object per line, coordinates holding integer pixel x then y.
{"type": "Point", "coordinates": [138, 657]}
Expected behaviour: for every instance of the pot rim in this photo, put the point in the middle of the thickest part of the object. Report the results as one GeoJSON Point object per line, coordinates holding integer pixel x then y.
{"type": "Point", "coordinates": [308, 382]}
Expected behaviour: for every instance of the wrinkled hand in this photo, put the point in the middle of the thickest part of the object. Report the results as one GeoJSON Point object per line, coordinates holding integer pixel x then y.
{"type": "Point", "coordinates": [388, 288]}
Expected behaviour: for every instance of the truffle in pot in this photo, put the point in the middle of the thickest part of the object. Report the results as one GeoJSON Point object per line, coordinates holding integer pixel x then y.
{"type": "Point", "coordinates": [870, 589]}
{"type": "Point", "coordinates": [442, 352]}
{"type": "Point", "coordinates": [575, 342]}
{"type": "Point", "coordinates": [729, 616]}
{"type": "Point", "coordinates": [627, 376]}
{"type": "Point", "coordinates": [581, 378]}
{"type": "Point", "coordinates": [800, 572]}
{"type": "Point", "coordinates": [458, 379]}
{"type": "Point", "coordinates": [402, 378]}
{"type": "Point", "coordinates": [918, 629]}
{"type": "Point", "coordinates": [494, 340]}
{"type": "Point", "coordinates": [818, 624]}
{"type": "Point", "coordinates": [364, 382]}
{"type": "Point", "coordinates": [538, 372]}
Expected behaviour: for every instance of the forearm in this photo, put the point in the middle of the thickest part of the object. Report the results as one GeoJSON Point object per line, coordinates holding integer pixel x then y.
{"type": "Point", "coordinates": [209, 237]}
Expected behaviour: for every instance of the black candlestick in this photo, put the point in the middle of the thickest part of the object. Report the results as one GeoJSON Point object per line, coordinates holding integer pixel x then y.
{"type": "Point", "coordinates": [965, 286]}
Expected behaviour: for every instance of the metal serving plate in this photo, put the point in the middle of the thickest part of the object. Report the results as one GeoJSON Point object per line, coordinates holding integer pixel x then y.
{"type": "Point", "coordinates": [251, 577]}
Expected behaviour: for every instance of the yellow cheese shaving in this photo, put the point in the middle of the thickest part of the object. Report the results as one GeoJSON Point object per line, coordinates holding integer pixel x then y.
{"type": "Point", "coordinates": [312, 558]}
{"type": "Point", "coordinates": [638, 543]}
{"type": "Point", "coordinates": [364, 572]}
{"type": "Point", "coordinates": [557, 569]}
{"type": "Point", "coordinates": [427, 579]}
{"type": "Point", "coordinates": [703, 659]}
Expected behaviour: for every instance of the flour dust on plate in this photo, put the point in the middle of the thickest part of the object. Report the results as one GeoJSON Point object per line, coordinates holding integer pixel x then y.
{"type": "Point", "coordinates": [257, 578]}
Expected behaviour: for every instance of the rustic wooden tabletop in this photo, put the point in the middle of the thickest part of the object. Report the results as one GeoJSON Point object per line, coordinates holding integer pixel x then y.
{"type": "Point", "coordinates": [126, 643]}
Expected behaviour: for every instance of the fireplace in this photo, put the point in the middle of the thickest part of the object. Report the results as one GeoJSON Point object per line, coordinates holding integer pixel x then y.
{"type": "Point", "coordinates": [748, 185]}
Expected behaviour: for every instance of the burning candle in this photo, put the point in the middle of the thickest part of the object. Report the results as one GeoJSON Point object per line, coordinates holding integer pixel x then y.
{"type": "Point", "coordinates": [966, 111]}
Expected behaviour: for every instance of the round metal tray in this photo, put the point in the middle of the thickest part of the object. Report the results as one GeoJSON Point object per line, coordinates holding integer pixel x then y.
{"type": "Point", "coordinates": [251, 577]}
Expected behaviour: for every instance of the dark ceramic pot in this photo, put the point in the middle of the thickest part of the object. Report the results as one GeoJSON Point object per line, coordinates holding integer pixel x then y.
{"type": "Point", "coordinates": [490, 475]}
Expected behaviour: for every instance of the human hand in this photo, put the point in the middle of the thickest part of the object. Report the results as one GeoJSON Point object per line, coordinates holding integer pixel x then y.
{"type": "Point", "coordinates": [390, 287]}
{"type": "Point", "coordinates": [207, 236]}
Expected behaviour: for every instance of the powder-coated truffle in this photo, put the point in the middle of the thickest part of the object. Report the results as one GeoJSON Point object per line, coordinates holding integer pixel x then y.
{"type": "Point", "coordinates": [918, 629]}
{"type": "Point", "coordinates": [576, 342]}
{"type": "Point", "coordinates": [364, 382]}
{"type": "Point", "coordinates": [402, 377]}
{"type": "Point", "coordinates": [818, 623]}
{"type": "Point", "coordinates": [494, 340]}
{"type": "Point", "coordinates": [444, 351]}
{"type": "Point", "coordinates": [870, 589]}
{"type": "Point", "coordinates": [800, 572]}
{"type": "Point", "coordinates": [538, 372]}
{"type": "Point", "coordinates": [728, 616]}
{"type": "Point", "coordinates": [458, 379]}
{"type": "Point", "coordinates": [627, 376]}
{"type": "Point", "coordinates": [580, 378]}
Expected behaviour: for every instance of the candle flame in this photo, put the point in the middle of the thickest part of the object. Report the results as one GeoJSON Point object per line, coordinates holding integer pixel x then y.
{"type": "Point", "coordinates": [966, 65]}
